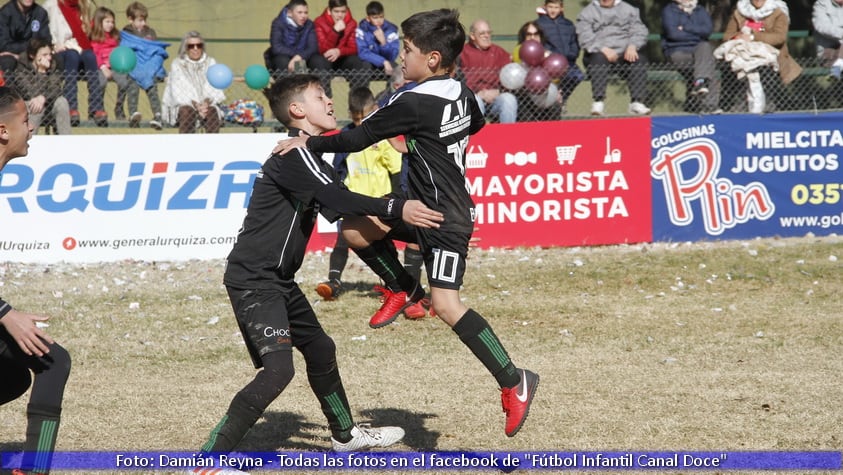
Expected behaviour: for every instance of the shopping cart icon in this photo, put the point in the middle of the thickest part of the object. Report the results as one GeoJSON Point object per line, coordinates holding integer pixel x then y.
{"type": "Point", "coordinates": [476, 159]}
{"type": "Point", "coordinates": [566, 154]}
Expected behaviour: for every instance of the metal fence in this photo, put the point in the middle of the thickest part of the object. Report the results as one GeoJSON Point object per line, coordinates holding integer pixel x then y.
{"type": "Point", "coordinates": [668, 94]}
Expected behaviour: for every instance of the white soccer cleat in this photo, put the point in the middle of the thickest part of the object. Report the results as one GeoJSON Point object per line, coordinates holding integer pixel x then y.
{"type": "Point", "coordinates": [364, 437]}
{"type": "Point", "coordinates": [597, 108]}
{"type": "Point", "coordinates": [637, 108]}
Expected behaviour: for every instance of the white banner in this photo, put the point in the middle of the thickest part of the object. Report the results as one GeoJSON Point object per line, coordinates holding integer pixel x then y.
{"type": "Point", "coordinates": [113, 197]}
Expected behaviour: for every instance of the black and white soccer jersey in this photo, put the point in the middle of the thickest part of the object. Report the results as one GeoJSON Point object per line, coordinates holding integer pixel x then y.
{"type": "Point", "coordinates": [436, 117]}
{"type": "Point", "coordinates": [288, 194]}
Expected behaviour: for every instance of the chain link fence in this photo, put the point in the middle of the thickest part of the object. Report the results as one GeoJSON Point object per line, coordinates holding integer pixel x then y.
{"type": "Point", "coordinates": [668, 94]}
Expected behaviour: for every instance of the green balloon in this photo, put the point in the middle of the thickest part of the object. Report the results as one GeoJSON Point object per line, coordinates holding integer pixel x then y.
{"type": "Point", "coordinates": [257, 76]}
{"type": "Point", "coordinates": [123, 59]}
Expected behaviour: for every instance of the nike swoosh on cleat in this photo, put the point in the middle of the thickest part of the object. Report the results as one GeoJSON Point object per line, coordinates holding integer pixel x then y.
{"type": "Point", "coordinates": [522, 391]}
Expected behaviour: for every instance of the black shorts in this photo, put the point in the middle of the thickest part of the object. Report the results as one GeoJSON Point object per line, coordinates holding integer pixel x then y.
{"type": "Point", "coordinates": [273, 320]}
{"type": "Point", "coordinates": [444, 252]}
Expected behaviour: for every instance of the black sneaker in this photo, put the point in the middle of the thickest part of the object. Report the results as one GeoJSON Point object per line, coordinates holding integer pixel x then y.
{"type": "Point", "coordinates": [700, 87]}
{"type": "Point", "coordinates": [329, 290]}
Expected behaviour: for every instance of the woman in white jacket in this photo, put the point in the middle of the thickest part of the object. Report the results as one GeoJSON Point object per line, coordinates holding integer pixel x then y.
{"type": "Point", "coordinates": [828, 34]}
{"type": "Point", "coordinates": [189, 97]}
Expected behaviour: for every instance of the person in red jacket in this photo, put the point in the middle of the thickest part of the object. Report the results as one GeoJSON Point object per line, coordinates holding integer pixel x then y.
{"type": "Point", "coordinates": [335, 30]}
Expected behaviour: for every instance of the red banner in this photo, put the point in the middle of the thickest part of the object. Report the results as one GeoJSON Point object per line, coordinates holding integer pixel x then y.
{"type": "Point", "coordinates": [564, 183]}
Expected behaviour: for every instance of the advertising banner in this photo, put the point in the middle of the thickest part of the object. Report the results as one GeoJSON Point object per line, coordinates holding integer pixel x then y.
{"type": "Point", "coordinates": [746, 176]}
{"type": "Point", "coordinates": [562, 183]}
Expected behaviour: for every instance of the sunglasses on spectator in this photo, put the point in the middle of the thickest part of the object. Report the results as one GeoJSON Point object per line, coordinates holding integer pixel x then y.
{"type": "Point", "coordinates": [532, 33]}
{"type": "Point", "coordinates": [195, 45]}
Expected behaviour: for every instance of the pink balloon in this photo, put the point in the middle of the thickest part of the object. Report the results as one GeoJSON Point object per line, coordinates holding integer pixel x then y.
{"type": "Point", "coordinates": [556, 65]}
{"type": "Point", "coordinates": [537, 80]}
{"type": "Point", "coordinates": [531, 53]}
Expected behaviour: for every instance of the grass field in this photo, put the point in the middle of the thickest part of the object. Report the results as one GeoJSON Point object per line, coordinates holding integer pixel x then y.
{"type": "Point", "coordinates": [727, 346]}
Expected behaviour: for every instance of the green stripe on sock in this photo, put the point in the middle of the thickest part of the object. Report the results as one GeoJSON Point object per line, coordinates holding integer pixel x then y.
{"type": "Point", "coordinates": [338, 408]}
{"type": "Point", "coordinates": [494, 346]}
{"type": "Point", "coordinates": [46, 442]}
{"type": "Point", "coordinates": [212, 439]}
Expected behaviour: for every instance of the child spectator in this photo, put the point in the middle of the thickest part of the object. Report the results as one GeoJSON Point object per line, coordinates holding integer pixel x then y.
{"type": "Point", "coordinates": [336, 32]}
{"type": "Point", "coordinates": [104, 38]}
{"type": "Point", "coordinates": [138, 14]}
{"type": "Point", "coordinates": [292, 40]}
{"type": "Point", "coordinates": [39, 83]}
{"type": "Point", "coordinates": [436, 117]}
{"type": "Point", "coordinates": [560, 36]}
{"type": "Point", "coordinates": [188, 96]}
{"type": "Point", "coordinates": [377, 39]}
{"type": "Point", "coordinates": [372, 172]}
{"type": "Point", "coordinates": [20, 22]}
{"type": "Point", "coordinates": [70, 23]}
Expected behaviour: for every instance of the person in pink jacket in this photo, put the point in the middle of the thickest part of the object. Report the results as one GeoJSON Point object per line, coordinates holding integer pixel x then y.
{"type": "Point", "coordinates": [104, 38]}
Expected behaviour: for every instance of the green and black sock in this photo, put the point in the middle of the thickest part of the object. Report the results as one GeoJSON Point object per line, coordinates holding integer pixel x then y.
{"type": "Point", "coordinates": [478, 336]}
{"type": "Point", "coordinates": [381, 258]}
{"type": "Point", "coordinates": [413, 261]}
{"type": "Point", "coordinates": [42, 429]}
{"type": "Point", "coordinates": [241, 416]}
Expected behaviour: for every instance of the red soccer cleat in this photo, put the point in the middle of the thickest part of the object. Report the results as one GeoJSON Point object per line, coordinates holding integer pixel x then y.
{"type": "Point", "coordinates": [393, 304]}
{"type": "Point", "coordinates": [516, 401]}
{"type": "Point", "coordinates": [415, 311]}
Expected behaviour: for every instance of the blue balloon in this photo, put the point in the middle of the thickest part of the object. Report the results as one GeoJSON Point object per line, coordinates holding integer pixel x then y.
{"type": "Point", "coordinates": [220, 76]}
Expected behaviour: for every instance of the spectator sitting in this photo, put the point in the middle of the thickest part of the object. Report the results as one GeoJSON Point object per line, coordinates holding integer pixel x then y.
{"type": "Point", "coordinates": [611, 33]}
{"type": "Point", "coordinates": [377, 39]}
{"type": "Point", "coordinates": [39, 83]}
{"type": "Point", "coordinates": [560, 36]}
{"type": "Point", "coordinates": [767, 23]}
{"type": "Point", "coordinates": [104, 39]}
{"type": "Point", "coordinates": [686, 28]}
{"type": "Point", "coordinates": [336, 32]}
{"type": "Point", "coordinates": [827, 19]}
{"type": "Point", "coordinates": [292, 40]}
{"type": "Point", "coordinates": [481, 62]}
{"type": "Point", "coordinates": [20, 21]}
{"type": "Point", "coordinates": [149, 68]}
{"type": "Point", "coordinates": [537, 108]}
{"type": "Point", "coordinates": [188, 96]}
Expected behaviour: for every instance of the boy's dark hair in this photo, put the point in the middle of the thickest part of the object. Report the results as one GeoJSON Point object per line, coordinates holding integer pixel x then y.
{"type": "Point", "coordinates": [553, 1]}
{"type": "Point", "coordinates": [337, 3]}
{"type": "Point", "coordinates": [374, 8]}
{"type": "Point", "coordinates": [285, 91]}
{"type": "Point", "coordinates": [296, 3]}
{"type": "Point", "coordinates": [436, 30]}
{"type": "Point", "coordinates": [359, 99]}
{"type": "Point", "coordinates": [34, 44]}
{"type": "Point", "coordinates": [137, 10]}
{"type": "Point", "coordinates": [9, 96]}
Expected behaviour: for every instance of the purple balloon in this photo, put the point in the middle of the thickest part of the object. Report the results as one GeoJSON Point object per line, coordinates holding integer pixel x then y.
{"type": "Point", "coordinates": [556, 65]}
{"type": "Point", "coordinates": [531, 53]}
{"type": "Point", "coordinates": [537, 80]}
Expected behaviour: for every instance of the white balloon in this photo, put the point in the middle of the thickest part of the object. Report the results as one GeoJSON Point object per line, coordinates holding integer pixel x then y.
{"type": "Point", "coordinates": [512, 76]}
{"type": "Point", "coordinates": [547, 99]}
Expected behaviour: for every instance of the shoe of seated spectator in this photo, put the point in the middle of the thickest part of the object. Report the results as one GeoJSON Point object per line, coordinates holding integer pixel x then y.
{"type": "Point", "coordinates": [637, 108]}
{"type": "Point", "coordinates": [597, 108]}
{"type": "Point", "coordinates": [700, 87]}
{"type": "Point", "coordinates": [100, 118]}
{"type": "Point", "coordinates": [836, 70]}
{"type": "Point", "coordinates": [74, 118]}
{"type": "Point", "coordinates": [156, 122]}
{"type": "Point", "coordinates": [135, 119]}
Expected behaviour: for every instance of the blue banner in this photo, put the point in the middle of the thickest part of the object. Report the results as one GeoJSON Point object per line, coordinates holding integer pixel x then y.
{"type": "Point", "coordinates": [436, 461]}
{"type": "Point", "coordinates": [746, 176]}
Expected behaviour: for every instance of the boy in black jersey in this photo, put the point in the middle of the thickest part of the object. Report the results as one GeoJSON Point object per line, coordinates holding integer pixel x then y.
{"type": "Point", "coordinates": [272, 312]}
{"type": "Point", "coordinates": [436, 117]}
{"type": "Point", "coordinates": [26, 349]}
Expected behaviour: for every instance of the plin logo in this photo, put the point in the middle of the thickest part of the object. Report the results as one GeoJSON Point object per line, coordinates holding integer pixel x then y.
{"type": "Point", "coordinates": [688, 173]}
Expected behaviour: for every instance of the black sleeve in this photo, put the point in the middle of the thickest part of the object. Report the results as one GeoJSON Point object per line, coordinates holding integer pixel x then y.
{"type": "Point", "coordinates": [308, 178]}
{"type": "Point", "coordinates": [4, 308]}
{"type": "Point", "coordinates": [399, 117]}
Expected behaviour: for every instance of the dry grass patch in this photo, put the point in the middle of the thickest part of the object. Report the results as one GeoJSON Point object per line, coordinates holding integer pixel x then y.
{"type": "Point", "coordinates": [705, 346]}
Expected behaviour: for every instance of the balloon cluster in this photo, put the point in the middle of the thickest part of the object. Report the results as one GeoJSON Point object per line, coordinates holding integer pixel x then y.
{"type": "Point", "coordinates": [537, 72]}
{"type": "Point", "coordinates": [220, 76]}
